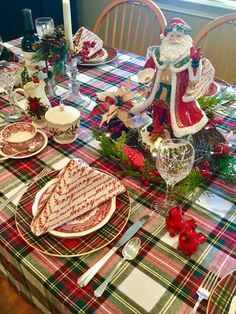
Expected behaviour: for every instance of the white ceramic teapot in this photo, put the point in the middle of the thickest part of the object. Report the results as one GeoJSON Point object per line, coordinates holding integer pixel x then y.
{"type": "Point", "coordinates": [32, 89]}
{"type": "Point", "coordinates": [64, 123]}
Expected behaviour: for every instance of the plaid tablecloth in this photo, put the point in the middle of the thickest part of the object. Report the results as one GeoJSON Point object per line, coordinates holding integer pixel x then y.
{"type": "Point", "coordinates": [161, 279]}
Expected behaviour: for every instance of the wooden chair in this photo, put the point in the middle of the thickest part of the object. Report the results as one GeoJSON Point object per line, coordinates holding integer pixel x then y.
{"type": "Point", "coordinates": [218, 42]}
{"type": "Point", "coordinates": [131, 25]}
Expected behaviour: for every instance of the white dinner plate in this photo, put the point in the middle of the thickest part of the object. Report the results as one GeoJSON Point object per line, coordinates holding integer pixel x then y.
{"type": "Point", "coordinates": [84, 224]}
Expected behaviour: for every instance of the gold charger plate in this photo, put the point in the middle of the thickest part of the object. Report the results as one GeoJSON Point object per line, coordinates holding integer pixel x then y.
{"type": "Point", "coordinates": [64, 247]}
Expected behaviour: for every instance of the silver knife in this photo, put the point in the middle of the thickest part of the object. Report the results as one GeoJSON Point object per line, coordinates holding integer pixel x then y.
{"type": "Point", "coordinates": [91, 272]}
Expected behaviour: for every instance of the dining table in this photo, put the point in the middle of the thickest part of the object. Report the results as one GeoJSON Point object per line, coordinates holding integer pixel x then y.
{"type": "Point", "coordinates": [161, 279]}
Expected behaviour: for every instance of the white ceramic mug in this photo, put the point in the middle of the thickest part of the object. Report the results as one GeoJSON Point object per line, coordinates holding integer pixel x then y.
{"type": "Point", "coordinates": [32, 90]}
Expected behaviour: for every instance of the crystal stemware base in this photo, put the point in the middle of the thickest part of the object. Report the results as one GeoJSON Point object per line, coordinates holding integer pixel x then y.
{"type": "Point", "coordinates": [13, 115]}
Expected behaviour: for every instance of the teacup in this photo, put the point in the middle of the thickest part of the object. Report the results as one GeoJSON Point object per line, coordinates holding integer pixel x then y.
{"type": "Point", "coordinates": [19, 135]}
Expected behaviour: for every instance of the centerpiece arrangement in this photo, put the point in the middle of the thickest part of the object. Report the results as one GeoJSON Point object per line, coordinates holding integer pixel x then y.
{"type": "Point", "coordinates": [52, 49]}
{"type": "Point", "coordinates": [180, 103]}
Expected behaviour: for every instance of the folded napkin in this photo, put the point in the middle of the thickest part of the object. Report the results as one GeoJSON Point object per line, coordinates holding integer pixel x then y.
{"type": "Point", "coordinates": [77, 189]}
{"type": "Point", "coordinates": [84, 35]}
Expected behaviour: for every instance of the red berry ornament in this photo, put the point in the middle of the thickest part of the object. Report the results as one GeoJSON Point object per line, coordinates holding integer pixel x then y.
{"type": "Point", "coordinates": [135, 157]}
{"type": "Point", "coordinates": [206, 164]}
{"type": "Point", "coordinates": [221, 149]}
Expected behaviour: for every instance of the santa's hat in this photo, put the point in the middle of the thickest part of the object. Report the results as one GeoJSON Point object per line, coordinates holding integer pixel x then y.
{"type": "Point", "coordinates": [178, 25]}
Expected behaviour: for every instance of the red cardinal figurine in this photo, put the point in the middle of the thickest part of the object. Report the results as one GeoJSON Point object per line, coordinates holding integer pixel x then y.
{"type": "Point", "coordinates": [175, 223]}
{"type": "Point", "coordinates": [189, 241]}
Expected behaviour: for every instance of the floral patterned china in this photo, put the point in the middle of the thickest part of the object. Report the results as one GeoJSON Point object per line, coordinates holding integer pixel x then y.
{"type": "Point", "coordinates": [40, 139]}
{"type": "Point", "coordinates": [19, 135]}
{"type": "Point", "coordinates": [64, 123]}
{"type": "Point", "coordinates": [84, 224]}
{"type": "Point", "coordinates": [222, 295]}
{"type": "Point", "coordinates": [69, 247]}
{"type": "Point", "coordinates": [112, 54]}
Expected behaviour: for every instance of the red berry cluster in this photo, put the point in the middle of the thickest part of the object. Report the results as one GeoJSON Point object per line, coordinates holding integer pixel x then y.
{"type": "Point", "coordinates": [52, 58]}
{"type": "Point", "coordinates": [151, 174]}
{"type": "Point", "coordinates": [205, 172]}
{"type": "Point", "coordinates": [84, 52]}
{"type": "Point", "coordinates": [221, 149]}
{"type": "Point", "coordinates": [38, 69]}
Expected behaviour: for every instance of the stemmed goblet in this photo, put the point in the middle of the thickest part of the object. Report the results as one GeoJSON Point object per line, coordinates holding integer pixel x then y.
{"type": "Point", "coordinates": [74, 94]}
{"type": "Point", "coordinates": [174, 161]}
{"type": "Point", "coordinates": [9, 74]}
{"type": "Point", "coordinates": [44, 25]}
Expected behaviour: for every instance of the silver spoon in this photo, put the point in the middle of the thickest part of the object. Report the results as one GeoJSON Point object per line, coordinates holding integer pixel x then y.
{"type": "Point", "coordinates": [129, 252]}
{"type": "Point", "coordinates": [32, 148]}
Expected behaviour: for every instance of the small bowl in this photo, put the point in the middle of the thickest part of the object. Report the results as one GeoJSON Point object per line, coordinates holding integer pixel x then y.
{"type": "Point", "coordinates": [145, 76]}
{"type": "Point", "coordinates": [64, 123]}
{"type": "Point", "coordinates": [19, 135]}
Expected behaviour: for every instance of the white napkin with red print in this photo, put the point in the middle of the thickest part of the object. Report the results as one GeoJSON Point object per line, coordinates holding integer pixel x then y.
{"type": "Point", "coordinates": [84, 35]}
{"type": "Point", "coordinates": [77, 189]}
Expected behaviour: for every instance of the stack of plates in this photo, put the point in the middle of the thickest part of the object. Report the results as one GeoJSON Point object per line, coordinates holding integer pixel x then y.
{"type": "Point", "coordinates": [99, 56]}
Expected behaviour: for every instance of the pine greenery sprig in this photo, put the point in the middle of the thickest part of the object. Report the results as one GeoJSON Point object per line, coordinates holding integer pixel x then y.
{"type": "Point", "coordinates": [227, 167]}
{"type": "Point", "coordinates": [220, 101]}
{"type": "Point", "coordinates": [114, 150]}
{"type": "Point", "coordinates": [53, 49]}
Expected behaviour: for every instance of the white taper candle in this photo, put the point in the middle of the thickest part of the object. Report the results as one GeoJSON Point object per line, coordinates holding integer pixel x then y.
{"type": "Point", "coordinates": [67, 20]}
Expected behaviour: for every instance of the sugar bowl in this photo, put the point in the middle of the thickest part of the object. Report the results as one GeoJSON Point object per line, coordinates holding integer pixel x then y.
{"type": "Point", "coordinates": [64, 123]}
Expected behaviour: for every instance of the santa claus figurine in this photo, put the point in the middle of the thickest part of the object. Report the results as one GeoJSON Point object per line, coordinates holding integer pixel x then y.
{"type": "Point", "coordinates": [181, 76]}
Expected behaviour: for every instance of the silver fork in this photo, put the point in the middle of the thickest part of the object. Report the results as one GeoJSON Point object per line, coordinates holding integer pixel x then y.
{"type": "Point", "coordinates": [40, 175]}
{"type": "Point", "coordinates": [205, 288]}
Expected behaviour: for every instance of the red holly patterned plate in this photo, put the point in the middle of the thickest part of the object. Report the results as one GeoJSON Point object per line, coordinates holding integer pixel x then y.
{"type": "Point", "coordinates": [111, 55]}
{"type": "Point", "coordinates": [67, 247]}
{"type": "Point", "coordinates": [222, 295]}
{"type": "Point", "coordinates": [83, 225]}
{"type": "Point", "coordinates": [40, 138]}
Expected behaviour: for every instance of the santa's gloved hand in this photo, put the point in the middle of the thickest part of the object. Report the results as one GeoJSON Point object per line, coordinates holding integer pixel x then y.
{"type": "Point", "coordinates": [195, 56]}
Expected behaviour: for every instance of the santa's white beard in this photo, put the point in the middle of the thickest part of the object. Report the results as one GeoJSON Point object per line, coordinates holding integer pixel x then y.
{"type": "Point", "coordinates": [171, 52]}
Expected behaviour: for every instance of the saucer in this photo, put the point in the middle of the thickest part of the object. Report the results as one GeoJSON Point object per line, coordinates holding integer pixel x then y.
{"type": "Point", "coordinates": [40, 138]}
{"type": "Point", "coordinates": [84, 224]}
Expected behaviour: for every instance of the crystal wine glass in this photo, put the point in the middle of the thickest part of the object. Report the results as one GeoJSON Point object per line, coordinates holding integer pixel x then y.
{"type": "Point", "coordinates": [9, 74]}
{"type": "Point", "coordinates": [74, 84]}
{"type": "Point", "coordinates": [44, 25]}
{"type": "Point", "coordinates": [174, 161]}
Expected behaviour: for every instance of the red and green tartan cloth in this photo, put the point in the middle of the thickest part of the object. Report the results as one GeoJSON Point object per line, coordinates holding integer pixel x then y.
{"type": "Point", "coordinates": [160, 279]}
